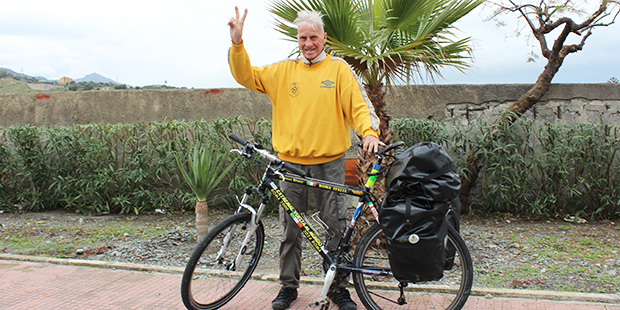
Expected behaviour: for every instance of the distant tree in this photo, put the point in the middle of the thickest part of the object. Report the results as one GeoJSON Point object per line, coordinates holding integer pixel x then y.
{"type": "Point", "coordinates": [122, 86]}
{"type": "Point", "coordinates": [543, 18]}
{"type": "Point", "coordinates": [88, 86]}
{"type": "Point", "coordinates": [613, 80]}
{"type": "Point", "coordinates": [73, 87]}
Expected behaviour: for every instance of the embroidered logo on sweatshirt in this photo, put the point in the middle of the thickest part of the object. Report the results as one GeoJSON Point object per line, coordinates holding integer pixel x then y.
{"type": "Point", "coordinates": [328, 84]}
{"type": "Point", "coordinates": [294, 90]}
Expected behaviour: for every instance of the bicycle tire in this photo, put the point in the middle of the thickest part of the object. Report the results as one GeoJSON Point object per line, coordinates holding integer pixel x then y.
{"type": "Point", "coordinates": [212, 285]}
{"type": "Point", "coordinates": [382, 292]}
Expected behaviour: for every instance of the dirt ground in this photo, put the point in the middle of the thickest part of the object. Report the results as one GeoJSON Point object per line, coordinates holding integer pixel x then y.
{"type": "Point", "coordinates": [507, 252]}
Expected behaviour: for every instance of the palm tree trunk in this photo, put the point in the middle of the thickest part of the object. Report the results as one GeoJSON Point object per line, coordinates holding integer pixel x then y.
{"type": "Point", "coordinates": [376, 95]}
{"type": "Point", "coordinates": [202, 216]}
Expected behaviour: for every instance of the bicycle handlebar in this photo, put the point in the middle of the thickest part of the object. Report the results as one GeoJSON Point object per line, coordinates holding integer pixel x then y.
{"type": "Point", "coordinates": [384, 149]}
{"type": "Point", "coordinates": [267, 155]}
{"type": "Point", "coordinates": [273, 158]}
{"type": "Point", "coordinates": [237, 139]}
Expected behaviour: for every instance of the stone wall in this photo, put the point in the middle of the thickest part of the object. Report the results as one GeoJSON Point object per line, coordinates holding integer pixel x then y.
{"type": "Point", "coordinates": [568, 102]}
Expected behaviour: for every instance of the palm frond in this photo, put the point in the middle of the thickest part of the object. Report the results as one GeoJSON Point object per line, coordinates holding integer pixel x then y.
{"type": "Point", "coordinates": [387, 40]}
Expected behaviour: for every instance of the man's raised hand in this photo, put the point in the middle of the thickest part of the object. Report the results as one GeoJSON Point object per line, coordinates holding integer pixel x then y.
{"type": "Point", "coordinates": [236, 26]}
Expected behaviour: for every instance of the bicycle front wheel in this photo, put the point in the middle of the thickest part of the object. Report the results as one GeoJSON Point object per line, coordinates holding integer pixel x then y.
{"type": "Point", "coordinates": [211, 278]}
{"type": "Point", "coordinates": [382, 291]}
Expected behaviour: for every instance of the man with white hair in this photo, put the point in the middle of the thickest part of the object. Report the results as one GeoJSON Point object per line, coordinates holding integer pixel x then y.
{"type": "Point", "coordinates": [316, 99]}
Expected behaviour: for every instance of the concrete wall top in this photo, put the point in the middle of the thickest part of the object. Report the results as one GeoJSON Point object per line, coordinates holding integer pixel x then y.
{"type": "Point", "coordinates": [134, 106]}
{"type": "Point", "coordinates": [430, 101]}
{"type": "Point", "coordinates": [130, 106]}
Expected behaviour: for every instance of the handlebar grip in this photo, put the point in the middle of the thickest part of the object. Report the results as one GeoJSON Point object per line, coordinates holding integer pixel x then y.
{"type": "Point", "coordinates": [294, 169]}
{"type": "Point", "coordinates": [385, 149]}
{"type": "Point", "coordinates": [394, 146]}
{"type": "Point", "coordinates": [237, 139]}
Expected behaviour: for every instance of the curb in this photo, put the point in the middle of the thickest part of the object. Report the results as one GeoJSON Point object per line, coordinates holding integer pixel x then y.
{"type": "Point", "coordinates": [91, 263]}
{"type": "Point", "coordinates": [612, 299]}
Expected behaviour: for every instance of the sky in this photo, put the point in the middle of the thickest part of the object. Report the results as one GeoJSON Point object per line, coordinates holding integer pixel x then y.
{"type": "Point", "coordinates": [184, 43]}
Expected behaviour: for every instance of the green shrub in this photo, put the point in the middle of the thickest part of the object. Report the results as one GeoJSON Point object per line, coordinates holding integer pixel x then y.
{"type": "Point", "coordinates": [117, 168]}
{"type": "Point", "coordinates": [530, 169]}
{"type": "Point", "coordinates": [412, 131]}
{"type": "Point", "coordinates": [533, 169]}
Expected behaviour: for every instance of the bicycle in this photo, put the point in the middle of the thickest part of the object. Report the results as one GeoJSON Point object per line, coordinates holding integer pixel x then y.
{"type": "Point", "coordinates": [225, 259]}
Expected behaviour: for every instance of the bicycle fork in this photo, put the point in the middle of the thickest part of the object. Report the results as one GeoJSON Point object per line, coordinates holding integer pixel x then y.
{"type": "Point", "coordinates": [253, 225]}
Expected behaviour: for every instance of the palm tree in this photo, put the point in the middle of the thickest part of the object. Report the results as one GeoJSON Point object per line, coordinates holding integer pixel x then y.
{"type": "Point", "coordinates": [386, 41]}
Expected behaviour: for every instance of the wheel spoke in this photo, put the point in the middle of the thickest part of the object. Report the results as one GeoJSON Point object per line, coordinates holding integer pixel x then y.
{"type": "Point", "coordinates": [211, 279]}
{"type": "Point", "coordinates": [382, 292]}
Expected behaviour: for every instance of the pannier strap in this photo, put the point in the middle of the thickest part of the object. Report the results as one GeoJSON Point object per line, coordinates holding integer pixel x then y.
{"type": "Point", "coordinates": [408, 209]}
{"type": "Point", "coordinates": [446, 168]}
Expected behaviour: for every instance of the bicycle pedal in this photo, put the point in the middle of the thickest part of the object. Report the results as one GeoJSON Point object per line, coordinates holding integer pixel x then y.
{"type": "Point", "coordinates": [321, 301]}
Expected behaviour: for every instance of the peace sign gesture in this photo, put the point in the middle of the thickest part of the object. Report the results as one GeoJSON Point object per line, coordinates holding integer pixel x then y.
{"type": "Point", "coordinates": [236, 26]}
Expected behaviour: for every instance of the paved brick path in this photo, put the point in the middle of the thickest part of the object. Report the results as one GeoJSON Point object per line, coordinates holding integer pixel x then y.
{"type": "Point", "coordinates": [43, 285]}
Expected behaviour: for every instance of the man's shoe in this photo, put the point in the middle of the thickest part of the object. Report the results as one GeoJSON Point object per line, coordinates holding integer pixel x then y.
{"type": "Point", "coordinates": [342, 298]}
{"type": "Point", "coordinates": [284, 299]}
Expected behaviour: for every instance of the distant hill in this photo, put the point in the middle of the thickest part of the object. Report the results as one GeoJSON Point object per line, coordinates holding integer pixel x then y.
{"type": "Point", "coordinates": [9, 71]}
{"type": "Point", "coordinates": [93, 77]}
{"type": "Point", "coordinates": [96, 78]}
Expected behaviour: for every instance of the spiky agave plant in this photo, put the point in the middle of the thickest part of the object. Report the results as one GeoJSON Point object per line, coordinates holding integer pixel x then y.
{"type": "Point", "coordinates": [207, 167]}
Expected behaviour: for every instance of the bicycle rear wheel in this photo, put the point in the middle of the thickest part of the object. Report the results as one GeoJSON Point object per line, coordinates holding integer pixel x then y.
{"type": "Point", "coordinates": [382, 292]}
{"type": "Point", "coordinates": [210, 282]}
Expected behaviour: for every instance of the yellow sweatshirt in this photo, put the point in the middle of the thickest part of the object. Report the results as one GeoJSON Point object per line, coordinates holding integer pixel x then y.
{"type": "Point", "coordinates": [313, 106]}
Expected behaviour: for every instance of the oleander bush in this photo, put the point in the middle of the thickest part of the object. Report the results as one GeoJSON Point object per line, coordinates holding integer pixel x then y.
{"type": "Point", "coordinates": [531, 169]}
{"type": "Point", "coordinates": [120, 168]}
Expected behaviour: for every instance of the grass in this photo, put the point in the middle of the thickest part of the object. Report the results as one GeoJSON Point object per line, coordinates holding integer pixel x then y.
{"type": "Point", "coordinates": [564, 255]}
{"type": "Point", "coordinates": [15, 87]}
{"type": "Point", "coordinates": [62, 241]}
{"type": "Point", "coordinates": [9, 87]}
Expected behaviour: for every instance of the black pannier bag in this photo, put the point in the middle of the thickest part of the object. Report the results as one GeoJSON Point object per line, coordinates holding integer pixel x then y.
{"type": "Point", "coordinates": [422, 184]}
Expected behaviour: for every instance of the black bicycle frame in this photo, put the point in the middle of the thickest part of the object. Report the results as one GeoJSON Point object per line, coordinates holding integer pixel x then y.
{"type": "Point", "coordinates": [365, 198]}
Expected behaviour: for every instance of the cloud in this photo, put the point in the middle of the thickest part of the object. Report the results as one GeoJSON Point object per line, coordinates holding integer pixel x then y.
{"type": "Point", "coordinates": [186, 42]}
